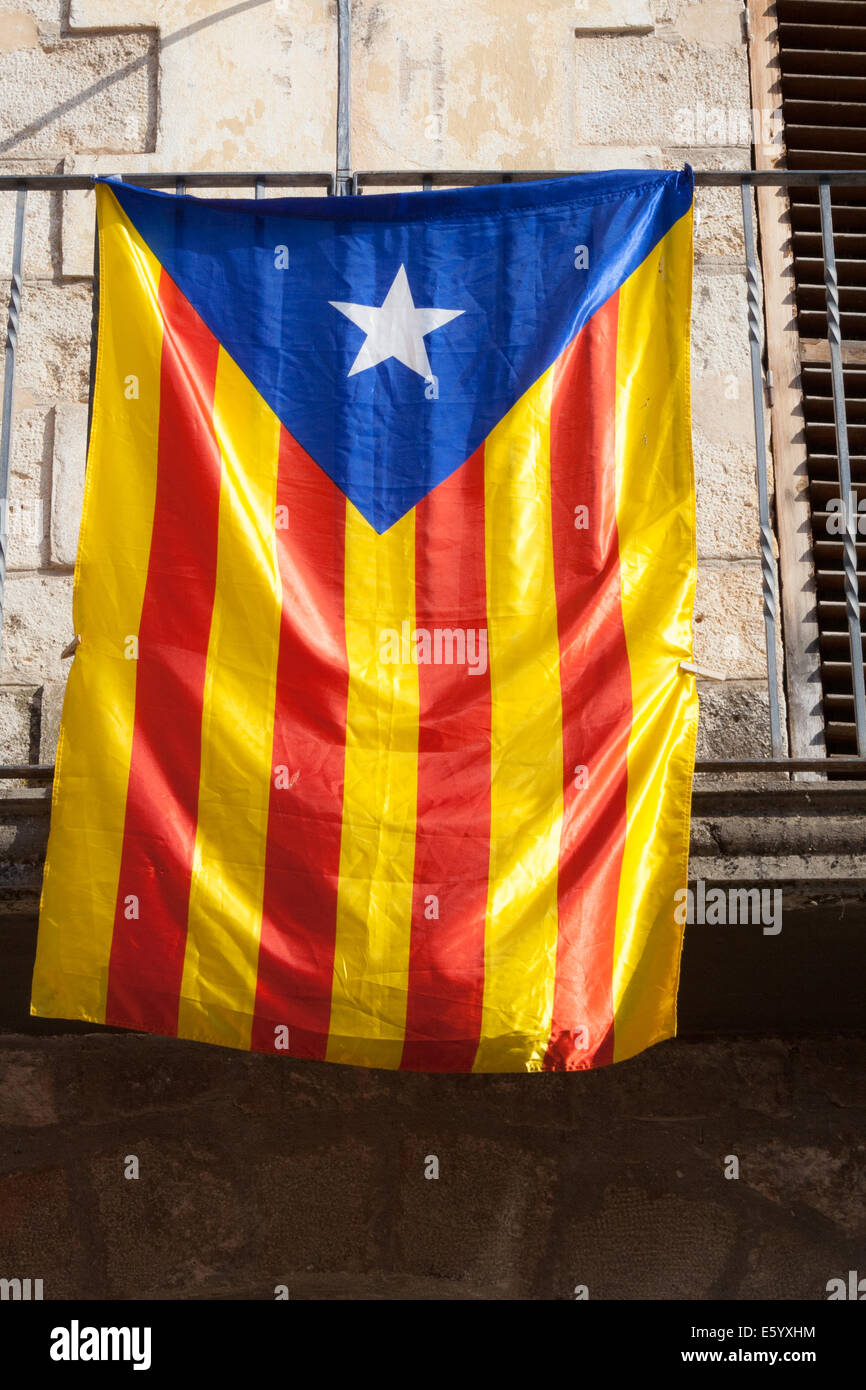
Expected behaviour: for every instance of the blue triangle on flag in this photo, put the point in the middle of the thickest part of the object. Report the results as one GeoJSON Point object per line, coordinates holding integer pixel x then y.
{"type": "Point", "coordinates": [390, 333]}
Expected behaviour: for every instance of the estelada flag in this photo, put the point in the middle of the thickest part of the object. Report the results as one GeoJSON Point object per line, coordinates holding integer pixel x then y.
{"type": "Point", "coordinates": [376, 747]}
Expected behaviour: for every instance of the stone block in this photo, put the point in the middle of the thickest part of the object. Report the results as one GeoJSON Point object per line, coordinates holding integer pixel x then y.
{"type": "Point", "coordinates": [46, 16]}
{"type": "Point", "coordinates": [723, 430]}
{"type": "Point", "coordinates": [687, 94]}
{"type": "Point", "coordinates": [26, 1091]}
{"type": "Point", "coordinates": [718, 211]}
{"type": "Point", "coordinates": [22, 852]}
{"type": "Point", "coordinates": [50, 711]}
{"type": "Point", "coordinates": [67, 480]}
{"type": "Point", "coordinates": [726, 500]}
{"type": "Point", "coordinates": [27, 515]}
{"type": "Point", "coordinates": [18, 31]}
{"type": "Point", "coordinates": [175, 1230]}
{"type": "Point", "coordinates": [78, 219]}
{"type": "Point", "coordinates": [720, 323]}
{"type": "Point", "coordinates": [41, 221]}
{"type": "Point", "coordinates": [644, 1245]}
{"type": "Point", "coordinates": [53, 344]}
{"type": "Point", "coordinates": [710, 23]}
{"type": "Point", "coordinates": [788, 1265]}
{"type": "Point", "coordinates": [221, 105]}
{"type": "Point", "coordinates": [37, 625]}
{"type": "Point", "coordinates": [825, 1178]}
{"type": "Point", "coordinates": [17, 705]}
{"type": "Point", "coordinates": [735, 720]}
{"type": "Point", "coordinates": [831, 1071]}
{"type": "Point", "coordinates": [485, 1217]}
{"type": "Point", "coordinates": [96, 92]}
{"type": "Point", "coordinates": [718, 220]}
{"type": "Point", "coordinates": [110, 1079]}
{"type": "Point", "coordinates": [318, 1209]}
{"type": "Point", "coordinates": [729, 623]}
{"type": "Point", "coordinates": [39, 1234]}
{"type": "Point", "coordinates": [693, 1086]}
{"type": "Point", "coordinates": [482, 84]}
{"type": "Point", "coordinates": [203, 1217]}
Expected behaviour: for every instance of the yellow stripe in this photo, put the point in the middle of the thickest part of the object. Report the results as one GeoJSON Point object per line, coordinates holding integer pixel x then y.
{"type": "Point", "coordinates": [656, 521]}
{"type": "Point", "coordinates": [80, 889]}
{"type": "Point", "coordinates": [225, 909]}
{"type": "Point", "coordinates": [526, 739]}
{"type": "Point", "coordinates": [377, 852]}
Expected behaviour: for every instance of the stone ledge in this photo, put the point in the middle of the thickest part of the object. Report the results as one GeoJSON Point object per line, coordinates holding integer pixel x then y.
{"type": "Point", "coordinates": [807, 838]}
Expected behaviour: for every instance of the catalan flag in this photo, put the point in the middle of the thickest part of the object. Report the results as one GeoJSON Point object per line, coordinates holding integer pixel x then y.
{"type": "Point", "coordinates": [377, 746]}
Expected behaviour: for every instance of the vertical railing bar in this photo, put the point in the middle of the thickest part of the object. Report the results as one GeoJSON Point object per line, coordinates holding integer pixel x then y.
{"type": "Point", "coordinates": [94, 325]}
{"type": "Point", "coordinates": [427, 183]}
{"type": "Point", "coordinates": [840, 415]}
{"type": "Point", "coordinates": [13, 322]}
{"type": "Point", "coordinates": [768, 564]}
{"type": "Point", "coordinates": [260, 187]}
{"type": "Point", "coordinates": [344, 136]}
{"type": "Point", "coordinates": [180, 186]}
{"type": "Point", "coordinates": [94, 320]}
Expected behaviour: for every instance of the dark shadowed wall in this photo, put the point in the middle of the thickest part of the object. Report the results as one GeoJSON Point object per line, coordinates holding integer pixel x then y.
{"type": "Point", "coordinates": [257, 1171]}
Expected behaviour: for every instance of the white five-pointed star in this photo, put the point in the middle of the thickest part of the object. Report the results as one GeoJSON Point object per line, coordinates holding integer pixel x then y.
{"type": "Point", "coordinates": [397, 329]}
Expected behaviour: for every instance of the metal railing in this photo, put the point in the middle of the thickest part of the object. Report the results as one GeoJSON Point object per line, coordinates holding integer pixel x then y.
{"type": "Point", "coordinates": [357, 183]}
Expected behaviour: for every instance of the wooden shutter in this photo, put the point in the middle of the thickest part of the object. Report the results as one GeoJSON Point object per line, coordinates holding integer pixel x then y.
{"type": "Point", "coordinates": [822, 54]}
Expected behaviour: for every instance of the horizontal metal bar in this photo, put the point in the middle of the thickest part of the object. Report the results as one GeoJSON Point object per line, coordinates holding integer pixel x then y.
{"type": "Point", "coordinates": [431, 178]}
{"type": "Point", "coordinates": [48, 183]}
{"type": "Point", "coordinates": [44, 772]}
{"type": "Point", "coordinates": [829, 764]}
{"type": "Point", "coordinates": [711, 178]}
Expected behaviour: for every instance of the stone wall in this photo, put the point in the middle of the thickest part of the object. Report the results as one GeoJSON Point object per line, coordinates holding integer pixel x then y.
{"type": "Point", "coordinates": [141, 85]}
{"type": "Point", "coordinates": [255, 1172]}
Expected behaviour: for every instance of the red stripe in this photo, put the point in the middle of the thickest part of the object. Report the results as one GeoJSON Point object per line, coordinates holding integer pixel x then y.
{"type": "Point", "coordinates": [596, 692]}
{"type": "Point", "coordinates": [299, 918]}
{"type": "Point", "coordinates": [146, 964]}
{"type": "Point", "coordinates": [452, 850]}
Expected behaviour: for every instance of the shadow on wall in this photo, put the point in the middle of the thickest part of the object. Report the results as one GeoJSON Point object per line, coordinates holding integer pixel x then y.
{"type": "Point", "coordinates": [121, 74]}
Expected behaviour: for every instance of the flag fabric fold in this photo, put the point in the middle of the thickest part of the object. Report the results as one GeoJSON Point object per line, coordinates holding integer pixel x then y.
{"type": "Point", "coordinates": [376, 747]}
